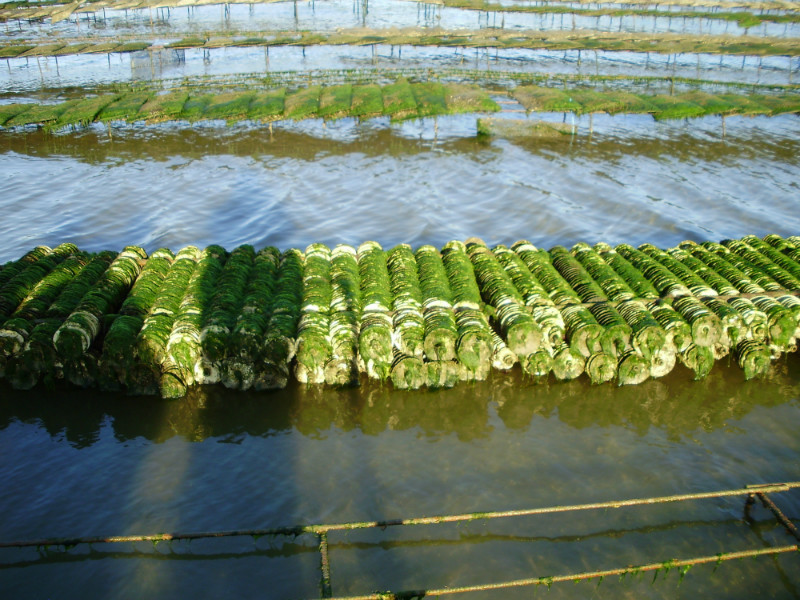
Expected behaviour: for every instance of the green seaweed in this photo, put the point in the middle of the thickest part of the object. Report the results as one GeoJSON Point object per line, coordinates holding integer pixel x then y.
{"type": "Point", "coordinates": [302, 104]}
{"type": "Point", "coordinates": [229, 106]}
{"type": "Point", "coordinates": [195, 106]}
{"type": "Point", "coordinates": [162, 107]}
{"type": "Point", "coordinates": [544, 99]}
{"type": "Point", "coordinates": [84, 111]}
{"type": "Point", "coordinates": [398, 99]}
{"type": "Point", "coordinates": [124, 108]}
{"type": "Point", "coordinates": [460, 98]}
{"type": "Point", "coordinates": [267, 106]}
{"type": "Point", "coordinates": [430, 98]}
{"type": "Point", "coordinates": [9, 111]}
{"type": "Point", "coordinates": [675, 107]}
{"type": "Point", "coordinates": [367, 101]}
{"type": "Point", "coordinates": [41, 114]}
{"type": "Point", "coordinates": [335, 101]}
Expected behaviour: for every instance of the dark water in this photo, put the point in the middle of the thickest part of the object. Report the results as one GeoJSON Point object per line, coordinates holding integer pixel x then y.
{"type": "Point", "coordinates": [76, 463]}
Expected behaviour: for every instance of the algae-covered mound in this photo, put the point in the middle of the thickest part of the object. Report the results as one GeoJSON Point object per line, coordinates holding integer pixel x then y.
{"type": "Point", "coordinates": [400, 100]}
{"type": "Point", "coordinates": [162, 323]}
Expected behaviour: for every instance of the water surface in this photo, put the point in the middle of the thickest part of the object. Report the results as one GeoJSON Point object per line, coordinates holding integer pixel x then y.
{"type": "Point", "coordinates": [78, 463]}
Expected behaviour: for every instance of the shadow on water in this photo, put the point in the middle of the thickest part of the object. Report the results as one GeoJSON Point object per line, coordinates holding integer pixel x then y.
{"type": "Point", "coordinates": [675, 404]}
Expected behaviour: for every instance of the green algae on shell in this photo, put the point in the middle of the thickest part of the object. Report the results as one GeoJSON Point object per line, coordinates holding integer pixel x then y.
{"type": "Point", "coordinates": [778, 258]}
{"type": "Point", "coordinates": [461, 98]}
{"type": "Point", "coordinates": [699, 268]}
{"type": "Point", "coordinates": [279, 342]}
{"type": "Point", "coordinates": [666, 282]}
{"type": "Point", "coordinates": [503, 359]}
{"type": "Point", "coordinates": [441, 331]}
{"type": "Point", "coordinates": [9, 111]}
{"type": "Point", "coordinates": [231, 106]}
{"type": "Point", "coordinates": [612, 284]}
{"type": "Point", "coordinates": [679, 332]}
{"type": "Point", "coordinates": [740, 280]}
{"type": "Point", "coordinates": [689, 278]}
{"type": "Point", "coordinates": [647, 335]}
{"type": "Point", "coordinates": [537, 365]}
{"type": "Point", "coordinates": [408, 321]}
{"type": "Point", "coordinates": [632, 276]}
{"type": "Point", "coordinates": [40, 114]}
{"type": "Point", "coordinates": [601, 367]}
{"type": "Point", "coordinates": [568, 363]}
{"type": "Point", "coordinates": [430, 98]}
{"type": "Point", "coordinates": [314, 349]}
{"type": "Point", "coordinates": [83, 324]}
{"type": "Point", "coordinates": [578, 278]}
{"type": "Point", "coordinates": [303, 103]}
{"type": "Point", "coordinates": [519, 330]}
{"type": "Point", "coordinates": [69, 297]}
{"type": "Point", "coordinates": [781, 324]}
{"type": "Point", "coordinates": [84, 111]}
{"type": "Point", "coordinates": [632, 368]}
{"type": "Point", "coordinates": [762, 279]}
{"type": "Point", "coordinates": [753, 357]}
{"type": "Point", "coordinates": [758, 262]}
{"type": "Point", "coordinates": [583, 332]}
{"type": "Point", "coordinates": [616, 336]}
{"type": "Point", "coordinates": [14, 291]}
{"type": "Point", "coordinates": [544, 99]}
{"type": "Point", "coordinates": [408, 372]}
{"type": "Point", "coordinates": [706, 328]}
{"type": "Point", "coordinates": [38, 360]}
{"type": "Point", "coordinates": [753, 319]}
{"type": "Point", "coordinates": [219, 318]}
{"type": "Point", "coordinates": [698, 359]}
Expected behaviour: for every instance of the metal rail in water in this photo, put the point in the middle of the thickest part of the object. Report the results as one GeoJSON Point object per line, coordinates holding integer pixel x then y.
{"type": "Point", "coordinates": [752, 492]}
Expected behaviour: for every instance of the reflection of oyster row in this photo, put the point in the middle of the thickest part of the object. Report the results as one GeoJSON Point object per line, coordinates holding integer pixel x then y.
{"type": "Point", "coordinates": [248, 319]}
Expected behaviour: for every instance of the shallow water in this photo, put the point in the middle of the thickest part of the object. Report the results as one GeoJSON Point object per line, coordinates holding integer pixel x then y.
{"type": "Point", "coordinates": [76, 462]}
{"type": "Point", "coordinates": [630, 180]}
{"type": "Point", "coordinates": [44, 76]}
{"type": "Point", "coordinates": [329, 15]}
